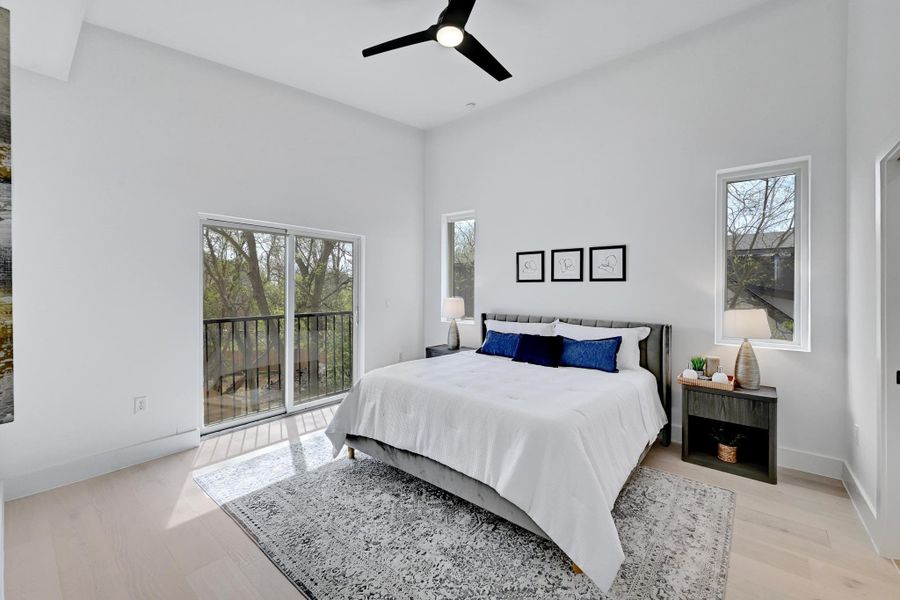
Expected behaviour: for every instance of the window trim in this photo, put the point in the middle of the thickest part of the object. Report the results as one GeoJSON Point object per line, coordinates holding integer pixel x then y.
{"type": "Point", "coordinates": [446, 219]}
{"type": "Point", "coordinates": [802, 166]}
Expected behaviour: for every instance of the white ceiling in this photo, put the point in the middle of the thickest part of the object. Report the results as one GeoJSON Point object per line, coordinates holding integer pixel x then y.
{"type": "Point", "coordinates": [316, 45]}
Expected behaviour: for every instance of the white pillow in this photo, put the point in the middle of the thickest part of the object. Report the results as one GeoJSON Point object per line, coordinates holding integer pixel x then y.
{"type": "Point", "coordinates": [629, 356]}
{"type": "Point", "coordinates": [545, 329]}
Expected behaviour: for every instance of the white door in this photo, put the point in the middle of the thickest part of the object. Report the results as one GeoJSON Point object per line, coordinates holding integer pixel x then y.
{"type": "Point", "coordinates": [889, 497]}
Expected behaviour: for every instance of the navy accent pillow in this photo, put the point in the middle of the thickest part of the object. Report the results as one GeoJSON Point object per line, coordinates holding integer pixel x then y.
{"type": "Point", "coordinates": [499, 344]}
{"type": "Point", "coordinates": [543, 350]}
{"type": "Point", "coordinates": [591, 354]}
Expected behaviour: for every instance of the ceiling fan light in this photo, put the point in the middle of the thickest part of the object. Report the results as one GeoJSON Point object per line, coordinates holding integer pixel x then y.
{"type": "Point", "coordinates": [449, 36]}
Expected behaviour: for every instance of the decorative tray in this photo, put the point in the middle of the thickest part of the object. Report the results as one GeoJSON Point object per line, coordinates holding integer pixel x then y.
{"type": "Point", "coordinates": [706, 383]}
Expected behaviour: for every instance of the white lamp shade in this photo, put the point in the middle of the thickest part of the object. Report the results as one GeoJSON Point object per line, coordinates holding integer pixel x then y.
{"type": "Point", "coordinates": [453, 308]}
{"type": "Point", "coordinates": [749, 323]}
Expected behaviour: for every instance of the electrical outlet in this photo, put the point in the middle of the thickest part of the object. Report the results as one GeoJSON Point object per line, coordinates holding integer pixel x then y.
{"type": "Point", "coordinates": [856, 435]}
{"type": "Point", "coordinates": [141, 404]}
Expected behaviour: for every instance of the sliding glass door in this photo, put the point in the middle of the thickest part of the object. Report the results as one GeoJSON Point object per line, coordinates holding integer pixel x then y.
{"type": "Point", "coordinates": [243, 322]}
{"type": "Point", "coordinates": [267, 290]}
{"type": "Point", "coordinates": [323, 329]}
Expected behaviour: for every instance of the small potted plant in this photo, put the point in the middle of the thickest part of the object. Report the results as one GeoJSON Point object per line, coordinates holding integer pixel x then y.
{"type": "Point", "coordinates": [728, 440]}
{"type": "Point", "coordinates": [698, 363]}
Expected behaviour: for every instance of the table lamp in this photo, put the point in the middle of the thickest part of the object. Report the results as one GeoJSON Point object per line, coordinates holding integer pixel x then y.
{"type": "Point", "coordinates": [453, 309]}
{"type": "Point", "coordinates": [752, 323]}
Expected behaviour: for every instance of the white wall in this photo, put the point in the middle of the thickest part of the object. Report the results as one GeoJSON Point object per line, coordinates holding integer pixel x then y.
{"type": "Point", "coordinates": [628, 154]}
{"type": "Point", "coordinates": [873, 127]}
{"type": "Point", "coordinates": [111, 171]}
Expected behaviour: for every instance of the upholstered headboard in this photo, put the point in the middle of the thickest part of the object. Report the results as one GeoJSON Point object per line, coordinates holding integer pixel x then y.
{"type": "Point", "coordinates": [654, 352]}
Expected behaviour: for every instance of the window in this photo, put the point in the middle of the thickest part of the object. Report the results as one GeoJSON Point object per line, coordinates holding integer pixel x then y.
{"type": "Point", "coordinates": [763, 249]}
{"type": "Point", "coordinates": [459, 259]}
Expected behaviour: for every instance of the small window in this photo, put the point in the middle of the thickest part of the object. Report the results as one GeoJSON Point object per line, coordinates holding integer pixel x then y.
{"type": "Point", "coordinates": [763, 257]}
{"type": "Point", "coordinates": [459, 261]}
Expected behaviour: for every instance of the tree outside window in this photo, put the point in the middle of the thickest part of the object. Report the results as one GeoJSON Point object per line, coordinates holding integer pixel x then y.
{"type": "Point", "coordinates": [760, 249]}
{"type": "Point", "coordinates": [461, 270]}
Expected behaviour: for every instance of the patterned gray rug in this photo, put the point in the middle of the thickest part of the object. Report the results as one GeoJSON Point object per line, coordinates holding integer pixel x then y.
{"type": "Point", "coordinates": [360, 529]}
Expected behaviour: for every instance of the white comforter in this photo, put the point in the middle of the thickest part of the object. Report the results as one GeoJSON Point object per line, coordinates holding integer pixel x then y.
{"type": "Point", "coordinates": [557, 443]}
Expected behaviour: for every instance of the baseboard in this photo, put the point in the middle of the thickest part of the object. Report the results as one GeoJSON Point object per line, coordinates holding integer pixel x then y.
{"type": "Point", "coordinates": [860, 500]}
{"type": "Point", "coordinates": [98, 464]}
{"type": "Point", "coordinates": [800, 460]}
{"type": "Point", "coordinates": [808, 462]}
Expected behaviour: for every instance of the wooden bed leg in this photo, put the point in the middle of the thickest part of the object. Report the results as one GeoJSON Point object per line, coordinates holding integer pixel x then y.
{"type": "Point", "coordinates": [351, 453]}
{"type": "Point", "coordinates": [576, 569]}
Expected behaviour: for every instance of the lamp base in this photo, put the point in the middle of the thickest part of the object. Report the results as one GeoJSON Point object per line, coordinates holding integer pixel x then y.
{"type": "Point", "coordinates": [746, 369]}
{"type": "Point", "coordinates": [453, 336]}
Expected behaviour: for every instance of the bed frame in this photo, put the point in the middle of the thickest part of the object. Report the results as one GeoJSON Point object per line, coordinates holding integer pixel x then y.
{"type": "Point", "coordinates": [654, 358]}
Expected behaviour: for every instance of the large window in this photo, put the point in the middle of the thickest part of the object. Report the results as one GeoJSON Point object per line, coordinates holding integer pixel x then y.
{"type": "Point", "coordinates": [763, 258]}
{"type": "Point", "coordinates": [459, 259]}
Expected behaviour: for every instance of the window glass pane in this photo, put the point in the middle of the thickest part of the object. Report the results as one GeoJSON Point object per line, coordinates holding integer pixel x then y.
{"type": "Point", "coordinates": [760, 257]}
{"type": "Point", "coordinates": [461, 236]}
{"type": "Point", "coordinates": [243, 322]}
{"type": "Point", "coordinates": [323, 320]}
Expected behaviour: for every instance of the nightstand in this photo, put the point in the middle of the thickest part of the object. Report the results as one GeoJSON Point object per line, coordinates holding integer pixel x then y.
{"type": "Point", "coordinates": [753, 413]}
{"type": "Point", "coordinates": [442, 350]}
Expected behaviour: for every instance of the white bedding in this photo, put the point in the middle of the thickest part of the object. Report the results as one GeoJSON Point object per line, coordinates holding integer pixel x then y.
{"type": "Point", "coordinates": [557, 443]}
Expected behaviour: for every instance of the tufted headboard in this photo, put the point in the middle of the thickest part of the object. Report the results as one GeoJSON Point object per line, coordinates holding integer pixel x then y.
{"type": "Point", "coordinates": [654, 352]}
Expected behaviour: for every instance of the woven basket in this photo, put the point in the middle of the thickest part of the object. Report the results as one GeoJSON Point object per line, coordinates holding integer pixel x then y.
{"type": "Point", "coordinates": [728, 453]}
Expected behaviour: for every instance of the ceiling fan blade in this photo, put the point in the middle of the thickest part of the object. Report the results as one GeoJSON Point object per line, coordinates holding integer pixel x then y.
{"type": "Point", "coordinates": [478, 54]}
{"type": "Point", "coordinates": [457, 12]}
{"type": "Point", "coordinates": [407, 40]}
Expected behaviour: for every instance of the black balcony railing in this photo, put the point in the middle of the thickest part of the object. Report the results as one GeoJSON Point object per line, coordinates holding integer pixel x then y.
{"type": "Point", "coordinates": [323, 354]}
{"type": "Point", "coordinates": [244, 370]}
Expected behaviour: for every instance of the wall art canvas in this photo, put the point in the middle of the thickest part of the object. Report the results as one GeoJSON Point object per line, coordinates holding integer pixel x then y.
{"type": "Point", "coordinates": [530, 266]}
{"type": "Point", "coordinates": [6, 333]}
{"type": "Point", "coordinates": [568, 265]}
{"type": "Point", "coordinates": [607, 263]}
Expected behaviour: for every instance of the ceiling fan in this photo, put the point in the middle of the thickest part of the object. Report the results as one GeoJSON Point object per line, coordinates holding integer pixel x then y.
{"type": "Point", "coordinates": [450, 32]}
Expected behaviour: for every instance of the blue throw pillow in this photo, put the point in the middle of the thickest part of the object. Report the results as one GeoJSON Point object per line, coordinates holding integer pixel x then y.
{"type": "Point", "coordinates": [543, 350]}
{"type": "Point", "coordinates": [499, 344]}
{"type": "Point", "coordinates": [591, 354]}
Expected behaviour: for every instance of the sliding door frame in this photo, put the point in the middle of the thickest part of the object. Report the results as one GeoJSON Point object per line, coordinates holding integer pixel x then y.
{"type": "Point", "coordinates": [292, 232]}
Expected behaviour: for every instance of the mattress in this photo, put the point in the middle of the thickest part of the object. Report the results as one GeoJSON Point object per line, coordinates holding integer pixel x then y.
{"type": "Point", "coordinates": [557, 443]}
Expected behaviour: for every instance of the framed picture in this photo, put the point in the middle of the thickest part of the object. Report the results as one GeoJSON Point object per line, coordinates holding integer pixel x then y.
{"type": "Point", "coordinates": [530, 266]}
{"type": "Point", "coordinates": [608, 263]}
{"type": "Point", "coordinates": [568, 265]}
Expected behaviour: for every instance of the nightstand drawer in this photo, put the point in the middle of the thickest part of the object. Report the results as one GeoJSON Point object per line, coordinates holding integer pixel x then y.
{"type": "Point", "coordinates": [740, 411]}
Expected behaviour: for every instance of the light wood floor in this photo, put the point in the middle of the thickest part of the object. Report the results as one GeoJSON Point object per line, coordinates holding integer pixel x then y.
{"type": "Point", "coordinates": [149, 532]}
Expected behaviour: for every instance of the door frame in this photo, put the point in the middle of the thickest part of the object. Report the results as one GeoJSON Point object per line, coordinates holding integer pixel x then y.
{"type": "Point", "coordinates": [292, 232]}
{"type": "Point", "coordinates": [882, 507]}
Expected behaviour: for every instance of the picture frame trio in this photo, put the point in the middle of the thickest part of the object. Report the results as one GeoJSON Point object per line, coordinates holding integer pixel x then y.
{"type": "Point", "coordinates": [606, 263]}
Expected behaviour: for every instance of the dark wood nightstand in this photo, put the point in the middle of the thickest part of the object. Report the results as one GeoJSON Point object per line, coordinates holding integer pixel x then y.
{"type": "Point", "coordinates": [442, 350]}
{"type": "Point", "coordinates": [752, 413]}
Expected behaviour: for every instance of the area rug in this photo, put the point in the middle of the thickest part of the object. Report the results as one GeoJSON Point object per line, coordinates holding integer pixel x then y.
{"type": "Point", "coordinates": [342, 529]}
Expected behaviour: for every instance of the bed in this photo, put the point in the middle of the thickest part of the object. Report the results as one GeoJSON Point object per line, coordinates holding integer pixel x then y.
{"type": "Point", "coordinates": [546, 449]}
